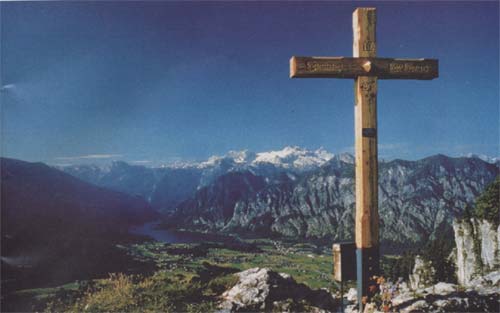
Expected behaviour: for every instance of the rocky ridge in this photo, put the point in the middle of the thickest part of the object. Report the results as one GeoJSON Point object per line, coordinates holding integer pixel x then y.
{"type": "Point", "coordinates": [418, 199]}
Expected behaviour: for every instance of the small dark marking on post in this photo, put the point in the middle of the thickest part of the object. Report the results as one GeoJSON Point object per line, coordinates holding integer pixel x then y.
{"type": "Point", "coordinates": [369, 132]}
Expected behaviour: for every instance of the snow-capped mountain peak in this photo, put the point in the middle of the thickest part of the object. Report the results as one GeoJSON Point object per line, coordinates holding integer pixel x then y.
{"type": "Point", "coordinates": [294, 157]}
{"type": "Point", "coordinates": [290, 157]}
{"type": "Point", "coordinates": [212, 161]}
{"type": "Point", "coordinates": [239, 158]}
{"type": "Point", "coordinates": [492, 160]}
{"type": "Point", "coordinates": [345, 157]}
{"type": "Point", "coordinates": [242, 157]}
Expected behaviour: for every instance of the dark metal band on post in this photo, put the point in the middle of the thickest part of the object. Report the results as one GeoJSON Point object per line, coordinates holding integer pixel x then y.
{"type": "Point", "coordinates": [369, 132]}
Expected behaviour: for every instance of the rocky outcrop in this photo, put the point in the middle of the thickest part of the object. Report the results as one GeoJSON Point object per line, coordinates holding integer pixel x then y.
{"type": "Point", "coordinates": [477, 249]}
{"type": "Point", "coordinates": [490, 245]}
{"type": "Point", "coordinates": [438, 298]}
{"type": "Point", "coordinates": [445, 297]}
{"type": "Point", "coordinates": [422, 275]}
{"type": "Point", "coordinates": [262, 290]}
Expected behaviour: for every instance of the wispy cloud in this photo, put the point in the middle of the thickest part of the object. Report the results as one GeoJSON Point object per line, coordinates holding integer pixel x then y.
{"type": "Point", "coordinates": [141, 162]}
{"type": "Point", "coordinates": [386, 151]}
{"type": "Point", "coordinates": [473, 147]}
{"type": "Point", "coordinates": [89, 156]}
{"type": "Point", "coordinates": [349, 149]}
{"type": "Point", "coordinates": [393, 146]}
{"type": "Point", "coordinates": [7, 87]}
{"type": "Point", "coordinates": [62, 164]}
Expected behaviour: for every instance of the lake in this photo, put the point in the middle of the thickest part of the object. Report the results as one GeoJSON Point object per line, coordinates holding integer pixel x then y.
{"type": "Point", "coordinates": [171, 236]}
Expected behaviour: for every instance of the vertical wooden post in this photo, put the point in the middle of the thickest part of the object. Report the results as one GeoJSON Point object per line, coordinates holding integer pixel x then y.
{"type": "Point", "coordinates": [366, 74]}
{"type": "Point", "coordinates": [365, 88]}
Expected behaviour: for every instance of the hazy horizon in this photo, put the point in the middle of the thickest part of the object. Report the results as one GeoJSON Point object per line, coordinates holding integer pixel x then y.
{"type": "Point", "coordinates": [108, 159]}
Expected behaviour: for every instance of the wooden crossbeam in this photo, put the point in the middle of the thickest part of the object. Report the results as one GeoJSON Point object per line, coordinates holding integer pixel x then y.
{"type": "Point", "coordinates": [365, 68]}
{"type": "Point", "coordinates": [347, 67]}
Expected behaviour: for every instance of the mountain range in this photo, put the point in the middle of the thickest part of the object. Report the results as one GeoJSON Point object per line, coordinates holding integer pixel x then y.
{"type": "Point", "coordinates": [417, 200]}
{"type": "Point", "coordinates": [166, 187]}
{"type": "Point", "coordinates": [56, 218]}
{"type": "Point", "coordinates": [302, 194]}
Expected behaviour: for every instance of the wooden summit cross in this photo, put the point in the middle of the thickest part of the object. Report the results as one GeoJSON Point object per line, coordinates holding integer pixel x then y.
{"type": "Point", "coordinates": [365, 68]}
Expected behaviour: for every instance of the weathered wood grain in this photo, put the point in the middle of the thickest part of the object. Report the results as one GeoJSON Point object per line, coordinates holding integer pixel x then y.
{"type": "Point", "coordinates": [365, 114]}
{"type": "Point", "coordinates": [346, 67]}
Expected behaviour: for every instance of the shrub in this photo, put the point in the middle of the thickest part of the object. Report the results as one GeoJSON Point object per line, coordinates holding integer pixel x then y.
{"type": "Point", "coordinates": [488, 204]}
{"type": "Point", "coordinates": [437, 252]}
{"type": "Point", "coordinates": [220, 284]}
{"type": "Point", "coordinates": [161, 292]}
{"type": "Point", "coordinates": [401, 267]}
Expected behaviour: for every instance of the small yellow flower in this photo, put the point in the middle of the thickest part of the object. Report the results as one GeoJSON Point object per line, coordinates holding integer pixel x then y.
{"type": "Point", "coordinates": [386, 296]}
{"type": "Point", "coordinates": [380, 280]}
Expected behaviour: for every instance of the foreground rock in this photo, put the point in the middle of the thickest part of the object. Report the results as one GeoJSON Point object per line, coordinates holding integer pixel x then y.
{"type": "Point", "coordinates": [444, 297]}
{"type": "Point", "coordinates": [441, 297]}
{"type": "Point", "coordinates": [422, 274]}
{"type": "Point", "coordinates": [260, 289]}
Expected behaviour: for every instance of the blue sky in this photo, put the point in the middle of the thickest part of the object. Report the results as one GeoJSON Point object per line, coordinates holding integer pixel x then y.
{"type": "Point", "coordinates": [168, 81]}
